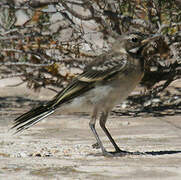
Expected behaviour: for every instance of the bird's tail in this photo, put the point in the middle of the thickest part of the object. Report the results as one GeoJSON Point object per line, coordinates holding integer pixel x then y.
{"type": "Point", "coordinates": [32, 117]}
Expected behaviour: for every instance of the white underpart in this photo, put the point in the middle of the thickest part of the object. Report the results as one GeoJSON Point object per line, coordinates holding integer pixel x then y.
{"type": "Point", "coordinates": [103, 97]}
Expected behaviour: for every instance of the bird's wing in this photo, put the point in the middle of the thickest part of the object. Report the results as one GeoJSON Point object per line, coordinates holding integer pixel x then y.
{"type": "Point", "coordinates": [99, 70]}
{"type": "Point", "coordinates": [103, 68]}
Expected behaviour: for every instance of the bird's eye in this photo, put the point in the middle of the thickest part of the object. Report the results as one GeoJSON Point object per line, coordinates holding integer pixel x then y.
{"type": "Point", "coordinates": [134, 40]}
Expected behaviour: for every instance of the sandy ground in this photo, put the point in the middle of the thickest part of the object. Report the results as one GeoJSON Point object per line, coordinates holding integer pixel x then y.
{"type": "Point", "coordinates": [60, 147]}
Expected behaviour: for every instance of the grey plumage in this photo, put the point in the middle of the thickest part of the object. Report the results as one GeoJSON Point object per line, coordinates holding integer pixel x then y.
{"type": "Point", "coordinates": [105, 82]}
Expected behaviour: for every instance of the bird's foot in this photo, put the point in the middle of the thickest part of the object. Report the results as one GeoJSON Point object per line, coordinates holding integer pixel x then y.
{"type": "Point", "coordinates": [118, 152]}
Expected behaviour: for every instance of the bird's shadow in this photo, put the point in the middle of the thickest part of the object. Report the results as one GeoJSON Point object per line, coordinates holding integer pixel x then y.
{"type": "Point", "coordinates": [153, 153]}
{"type": "Point", "coordinates": [158, 153]}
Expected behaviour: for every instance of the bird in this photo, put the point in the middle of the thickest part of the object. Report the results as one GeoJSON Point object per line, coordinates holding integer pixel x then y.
{"type": "Point", "coordinates": [105, 82]}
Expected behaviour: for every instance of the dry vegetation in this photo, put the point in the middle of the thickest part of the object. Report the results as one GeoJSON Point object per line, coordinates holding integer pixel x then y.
{"type": "Point", "coordinates": [47, 42]}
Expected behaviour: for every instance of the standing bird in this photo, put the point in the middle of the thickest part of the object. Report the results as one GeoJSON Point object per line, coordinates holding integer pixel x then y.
{"type": "Point", "coordinates": [105, 82]}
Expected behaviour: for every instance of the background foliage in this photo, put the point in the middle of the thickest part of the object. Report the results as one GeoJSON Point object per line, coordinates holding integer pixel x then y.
{"type": "Point", "coordinates": [48, 42]}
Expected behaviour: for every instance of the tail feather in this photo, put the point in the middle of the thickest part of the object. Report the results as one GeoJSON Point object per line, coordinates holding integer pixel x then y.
{"type": "Point", "coordinates": [32, 113]}
{"type": "Point", "coordinates": [31, 117]}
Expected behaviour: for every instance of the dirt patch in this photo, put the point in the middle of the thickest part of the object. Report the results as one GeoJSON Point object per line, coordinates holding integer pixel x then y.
{"type": "Point", "coordinates": [60, 147]}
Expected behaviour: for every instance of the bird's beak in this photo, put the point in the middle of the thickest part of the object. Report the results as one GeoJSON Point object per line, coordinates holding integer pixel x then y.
{"type": "Point", "coordinates": [150, 39]}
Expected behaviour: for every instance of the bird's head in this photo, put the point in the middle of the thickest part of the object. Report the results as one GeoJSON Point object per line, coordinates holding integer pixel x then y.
{"type": "Point", "coordinates": [133, 43]}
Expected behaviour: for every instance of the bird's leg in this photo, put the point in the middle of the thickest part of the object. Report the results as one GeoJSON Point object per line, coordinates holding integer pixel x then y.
{"type": "Point", "coordinates": [102, 122]}
{"type": "Point", "coordinates": [92, 126]}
